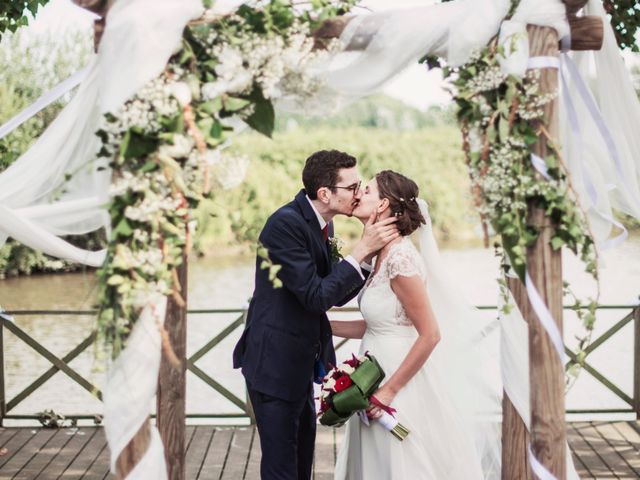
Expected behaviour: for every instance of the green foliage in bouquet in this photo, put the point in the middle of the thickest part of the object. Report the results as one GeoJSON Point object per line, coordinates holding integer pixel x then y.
{"type": "Point", "coordinates": [366, 378]}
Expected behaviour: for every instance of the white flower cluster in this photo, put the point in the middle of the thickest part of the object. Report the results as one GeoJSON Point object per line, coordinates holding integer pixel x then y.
{"type": "Point", "coordinates": [146, 290]}
{"type": "Point", "coordinates": [487, 80]}
{"type": "Point", "coordinates": [155, 99]}
{"type": "Point", "coordinates": [499, 180]}
{"type": "Point", "coordinates": [128, 182]}
{"type": "Point", "coordinates": [474, 137]}
{"type": "Point", "coordinates": [484, 107]}
{"type": "Point", "coordinates": [151, 208]}
{"type": "Point", "coordinates": [533, 107]}
{"type": "Point", "coordinates": [181, 148]}
{"type": "Point", "coordinates": [147, 261]}
{"type": "Point", "coordinates": [276, 65]}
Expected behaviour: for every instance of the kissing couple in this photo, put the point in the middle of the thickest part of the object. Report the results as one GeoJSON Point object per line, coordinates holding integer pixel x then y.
{"type": "Point", "coordinates": [287, 343]}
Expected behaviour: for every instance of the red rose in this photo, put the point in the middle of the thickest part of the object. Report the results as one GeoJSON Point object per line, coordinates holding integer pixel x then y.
{"type": "Point", "coordinates": [343, 383]}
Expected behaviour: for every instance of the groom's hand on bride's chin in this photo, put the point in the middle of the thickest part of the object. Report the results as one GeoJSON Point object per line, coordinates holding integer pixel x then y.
{"type": "Point", "coordinates": [375, 236]}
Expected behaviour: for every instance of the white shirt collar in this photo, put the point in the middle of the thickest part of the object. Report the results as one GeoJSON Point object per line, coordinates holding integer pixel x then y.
{"type": "Point", "coordinates": [321, 220]}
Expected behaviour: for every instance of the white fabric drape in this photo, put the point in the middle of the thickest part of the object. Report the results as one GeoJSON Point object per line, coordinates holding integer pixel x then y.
{"type": "Point", "coordinates": [38, 204]}
{"type": "Point", "coordinates": [602, 181]}
{"type": "Point", "coordinates": [37, 201]}
{"type": "Point", "coordinates": [130, 389]}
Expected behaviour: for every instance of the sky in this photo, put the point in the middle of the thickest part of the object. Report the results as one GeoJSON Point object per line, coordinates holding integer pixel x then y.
{"type": "Point", "coordinates": [416, 85]}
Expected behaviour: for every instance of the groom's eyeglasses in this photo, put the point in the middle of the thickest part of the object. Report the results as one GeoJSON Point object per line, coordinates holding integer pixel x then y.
{"type": "Point", "coordinates": [355, 188]}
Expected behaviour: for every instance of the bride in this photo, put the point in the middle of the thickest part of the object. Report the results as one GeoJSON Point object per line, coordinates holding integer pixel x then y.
{"type": "Point", "coordinates": [433, 370]}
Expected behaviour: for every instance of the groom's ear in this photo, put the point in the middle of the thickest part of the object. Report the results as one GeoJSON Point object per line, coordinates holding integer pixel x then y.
{"type": "Point", "coordinates": [323, 194]}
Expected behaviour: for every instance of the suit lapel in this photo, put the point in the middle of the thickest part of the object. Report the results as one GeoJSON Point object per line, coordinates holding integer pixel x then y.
{"type": "Point", "coordinates": [310, 216]}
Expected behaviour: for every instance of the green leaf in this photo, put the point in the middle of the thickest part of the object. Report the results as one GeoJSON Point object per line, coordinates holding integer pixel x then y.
{"type": "Point", "coordinates": [263, 117]}
{"type": "Point", "coordinates": [136, 145]}
{"type": "Point", "coordinates": [115, 280]}
{"type": "Point", "coordinates": [174, 124]}
{"type": "Point", "coordinates": [491, 133]}
{"type": "Point", "coordinates": [210, 107]}
{"type": "Point", "coordinates": [503, 128]}
{"type": "Point", "coordinates": [557, 243]}
{"type": "Point", "coordinates": [148, 167]}
{"type": "Point", "coordinates": [233, 104]}
{"type": "Point", "coordinates": [123, 229]}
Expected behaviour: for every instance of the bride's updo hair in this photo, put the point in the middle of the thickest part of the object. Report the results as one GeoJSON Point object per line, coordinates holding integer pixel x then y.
{"type": "Point", "coordinates": [402, 193]}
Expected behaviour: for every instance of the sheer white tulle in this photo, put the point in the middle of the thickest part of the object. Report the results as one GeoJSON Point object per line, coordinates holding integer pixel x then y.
{"type": "Point", "coordinates": [38, 204]}
{"type": "Point", "coordinates": [58, 187]}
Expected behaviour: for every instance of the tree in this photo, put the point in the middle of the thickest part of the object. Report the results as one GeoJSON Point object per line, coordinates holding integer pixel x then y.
{"type": "Point", "coordinates": [15, 13]}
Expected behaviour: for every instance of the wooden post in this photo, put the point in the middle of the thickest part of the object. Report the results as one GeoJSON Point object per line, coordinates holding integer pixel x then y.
{"type": "Point", "coordinates": [138, 445]}
{"type": "Point", "coordinates": [171, 397]}
{"type": "Point", "coordinates": [3, 399]}
{"type": "Point", "coordinates": [544, 265]}
{"type": "Point", "coordinates": [636, 361]}
{"type": "Point", "coordinates": [133, 452]}
{"type": "Point", "coordinates": [99, 7]}
{"type": "Point", "coordinates": [515, 436]}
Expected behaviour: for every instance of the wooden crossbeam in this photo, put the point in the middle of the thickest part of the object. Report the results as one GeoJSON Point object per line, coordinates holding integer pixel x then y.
{"type": "Point", "coordinates": [586, 33]}
{"type": "Point", "coordinates": [217, 339]}
{"type": "Point", "coordinates": [38, 382]}
{"type": "Point", "coordinates": [57, 362]}
{"type": "Point", "coordinates": [202, 375]}
{"type": "Point", "coordinates": [601, 378]}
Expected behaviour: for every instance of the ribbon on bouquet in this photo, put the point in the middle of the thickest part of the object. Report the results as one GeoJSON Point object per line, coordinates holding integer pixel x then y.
{"type": "Point", "coordinates": [382, 406]}
{"type": "Point", "coordinates": [386, 420]}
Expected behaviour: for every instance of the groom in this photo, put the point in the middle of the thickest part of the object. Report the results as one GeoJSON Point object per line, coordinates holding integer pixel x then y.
{"type": "Point", "coordinates": [287, 341]}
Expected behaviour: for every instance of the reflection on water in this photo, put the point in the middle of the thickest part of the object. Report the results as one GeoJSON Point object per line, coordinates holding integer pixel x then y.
{"type": "Point", "coordinates": [215, 284]}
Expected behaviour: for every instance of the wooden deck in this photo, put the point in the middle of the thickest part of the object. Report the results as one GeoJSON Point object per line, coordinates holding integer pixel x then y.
{"type": "Point", "coordinates": [600, 449]}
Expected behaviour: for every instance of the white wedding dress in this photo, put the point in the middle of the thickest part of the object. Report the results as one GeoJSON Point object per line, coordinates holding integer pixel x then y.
{"type": "Point", "coordinates": [440, 445]}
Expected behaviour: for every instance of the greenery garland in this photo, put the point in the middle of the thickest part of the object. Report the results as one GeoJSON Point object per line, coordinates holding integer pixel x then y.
{"type": "Point", "coordinates": [624, 16]}
{"type": "Point", "coordinates": [166, 145]}
{"type": "Point", "coordinates": [501, 117]}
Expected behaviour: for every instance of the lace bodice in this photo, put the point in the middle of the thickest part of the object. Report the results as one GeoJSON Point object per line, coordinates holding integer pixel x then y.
{"type": "Point", "coordinates": [379, 304]}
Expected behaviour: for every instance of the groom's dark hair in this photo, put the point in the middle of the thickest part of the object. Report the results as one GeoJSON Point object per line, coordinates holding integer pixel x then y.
{"type": "Point", "coordinates": [321, 170]}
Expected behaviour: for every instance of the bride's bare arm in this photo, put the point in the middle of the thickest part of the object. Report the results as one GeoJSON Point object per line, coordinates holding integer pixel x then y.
{"type": "Point", "coordinates": [413, 296]}
{"type": "Point", "coordinates": [348, 328]}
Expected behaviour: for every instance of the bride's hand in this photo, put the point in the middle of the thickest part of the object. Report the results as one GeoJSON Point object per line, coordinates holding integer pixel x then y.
{"type": "Point", "coordinates": [385, 396]}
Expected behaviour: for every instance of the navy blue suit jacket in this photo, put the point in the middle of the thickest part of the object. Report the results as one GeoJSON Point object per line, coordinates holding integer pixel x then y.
{"type": "Point", "coordinates": [287, 328]}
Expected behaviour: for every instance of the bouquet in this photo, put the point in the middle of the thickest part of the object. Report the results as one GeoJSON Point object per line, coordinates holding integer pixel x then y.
{"type": "Point", "coordinates": [348, 388]}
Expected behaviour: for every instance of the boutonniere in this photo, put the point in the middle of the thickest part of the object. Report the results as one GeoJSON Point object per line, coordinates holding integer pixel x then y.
{"type": "Point", "coordinates": [335, 245]}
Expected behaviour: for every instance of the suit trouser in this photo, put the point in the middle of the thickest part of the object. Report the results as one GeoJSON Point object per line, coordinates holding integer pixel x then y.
{"type": "Point", "coordinates": [287, 435]}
